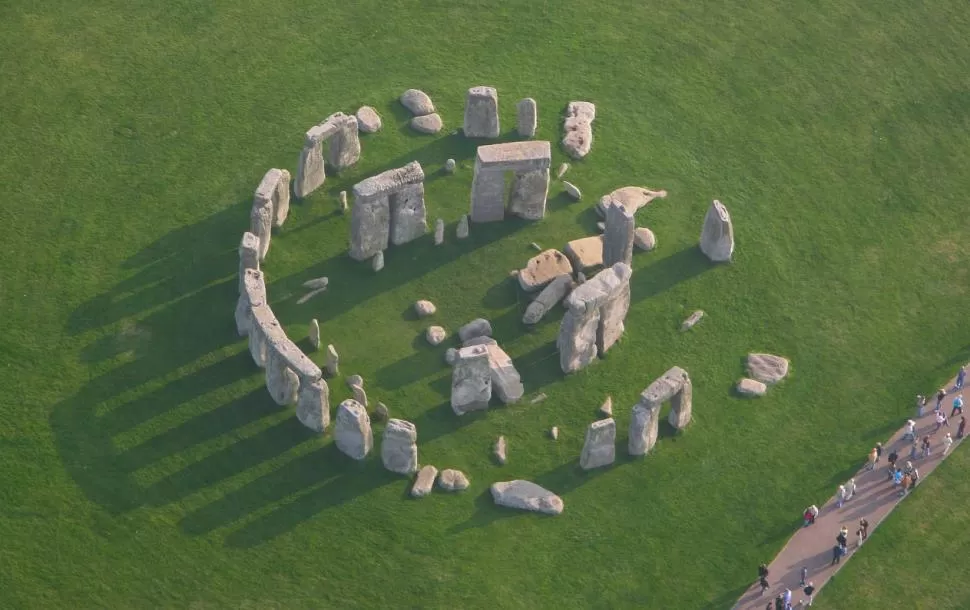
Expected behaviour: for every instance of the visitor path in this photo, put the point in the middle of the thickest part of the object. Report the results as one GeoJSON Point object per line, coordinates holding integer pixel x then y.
{"type": "Point", "coordinates": [874, 499]}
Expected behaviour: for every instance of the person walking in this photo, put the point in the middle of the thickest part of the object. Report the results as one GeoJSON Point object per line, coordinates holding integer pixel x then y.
{"type": "Point", "coordinates": [947, 443]}
{"type": "Point", "coordinates": [858, 538]}
{"type": "Point", "coordinates": [843, 537]}
{"type": "Point", "coordinates": [910, 431]}
{"type": "Point", "coordinates": [836, 554]}
{"type": "Point", "coordinates": [849, 489]}
{"type": "Point", "coordinates": [811, 513]}
{"type": "Point", "coordinates": [961, 377]}
{"type": "Point", "coordinates": [764, 584]}
{"type": "Point", "coordinates": [801, 583]}
{"type": "Point", "coordinates": [914, 449]}
{"type": "Point", "coordinates": [940, 397]}
{"type": "Point", "coordinates": [957, 405]}
{"type": "Point", "coordinates": [940, 421]}
{"type": "Point", "coordinates": [840, 496]}
{"type": "Point", "coordinates": [809, 592]}
{"type": "Point", "coordinates": [873, 458]}
{"type": "Point", "coordinates": [864, 526]}
{"type": "Point", "coordinates": [904, 488]}
{"type": "Point", "coordinates": [926, 446]}
{"type": "Point", "coordinates": [962, 427]}
{"type": "Point", "coordinates": [920, 405]}
{"type": "Point", "coordinates": [893, 456]}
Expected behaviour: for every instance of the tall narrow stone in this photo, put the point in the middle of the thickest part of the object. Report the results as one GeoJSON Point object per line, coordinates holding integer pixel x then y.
{"type": "Point", "coordinates": [461, 231]}
{"type": "Point", "coordinates": [529, 191]}
{"type": "Point", "coordinates": [682, 404]}
{"type": "Point", "coordinates": [577, 333]}
{"type": "Point", "coordinates": [389, 203]}
{"type": "Point", "coordinates": [481, 113]}
{"type": "Point", "coordinates": [577, 137]}
{"type": "Point", "coordinates": [344, 150]}
{"type": "Point", "coordinates": [333, 361]}
{"type": "Point", "coordinates": [313, 405]}
{"type": "Point", "coordinates": [261, 225]}
{"type": "Point", "coordinates": [274, 190]}
{"type": "Point", "coordinates": [310, 173]}
{"type": "Point", "coordinates": [408, 214]}
{"type": "Point", "coordinates": [345, 142]}
{"type": "Point", "coordinates": [471, 380]}
{"type": "Point", "coordinates": [352, 432]}
{"type": "Point", "coordinates": [488, 184]}
{"type": "Point", "coordinates": [488, 196]}
{"type": "Point", "coordinates": [399, 447]}
{"type": "Point", "coordinates": [526, 117]}
{"type": "Point", "coordinates": [314, 333]}
{"type": "Point", "coordinates": [281, 381]}
{"type": "Point", "coordinates": [248, 257]}
{"type": "Point", "coordinates": [616, 283]}
{"type": "Point", "coordinates": [439, 232]}
{"type": "Point", "coordinates": [644, 425]}
{"type": "Point", "coordinates": [600, 446]}
{"type": "Point", "coordinates": [618, 237]}
{"type": "Point", "coordinates": [717, 235]}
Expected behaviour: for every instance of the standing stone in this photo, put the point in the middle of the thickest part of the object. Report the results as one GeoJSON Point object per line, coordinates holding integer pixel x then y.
{"type": "Point", "coordinates": [506, 382]}
{"type": "Point", "coordinates": [409, 218]}
{"type": "Point", "coordinates": [451, 355]}
{"type": "Point", "coordinates": [594, 320]}
{"type": "Point", "coordinates": [577, 137]}
{"type": "Point", "coordinates": [345, 141]}
{"type": "Point", "coordinates": [600, 446]}
{"type": "Point", "coordinates": [388, 208]}
{"type": "Point", "coordinates": [453, 480]}
{"type": "Point", "coordinates": [717, 236]}
{"type": "Point", "coordinates": [481, 113]}
{"type": "Point", "coordinates": [248, 257]}
{"type": "Point", "coordinates": [355, 380]}
{"type": "Point", "coordinates": [526, 117]}
{"type": "Point", "coordinates": [399, 447]}
{"type": "Point", "coordinates": [644, 239]}
{"type": "Point", "coordinates": [479, 327]}
{"type": "Point", "coordinates": [552, 294]}
{"type": "Point", "coordinates": [424, 481]}
{"type": "Point", "coordinates": [563, 168]}
{"type": "Point", "coordinates": [313, 405]}
{"type": "Point", "coordinates": [315, 333]}
{"type": "Point", "coordinates": [525, 495]}
{"type": "Point", "coordinates": [528, 195]}
{"type": "Point", "coordinates": [381, 412]}
{"type": "Point", "coordinates": [430, 123]}
{"type": "Point", "coordinates": [435, 335]}
{"type": "Point", "coordinates": [618, 237]}
{"type": "Point", "coordinates": [417, 102]}
{"type": "Point", "coordinates": [675, 386]}
{"type": "Point", "coordinates": [449, 166]}
{"type": "Point", "coordinates": [681, 404]}
{"type": "Point", "coordinates": [643, 428]}
{"type": "Point", "coordinates": [281, 381]}
{"type": "Point", "coordinates": [359, 394]}
{"type": "Point", "coordinates": [767, 368]}
{"type": "Point", "coordinates": [341, 130]}
{"type": "Point", "coordinates": [368, 121]}
{"type": "Point", "coordinates": [615, 281]}
{"type": "Point", "coordinates": [572, 190]}
{"type": "Point", "coordinates": [500, 451]}
{"type": "Point", "coordinates": [343, 201]}
{"type": "Point", "coordinates": [607, 407]}
{"type": "Point", "coordinates": [471, 380]}
{"type": "Point", "coordinates": [461, 231]}
{"type": "Point", "coordinates": [333, 361]}
{"type": "Point", "coordinates": [378, 261]}
{"type": "Point", "coordinates": [554, 433]}
{"type": "Point", "coordinates": [488, 183]}
{"type": "Point", "coordinates": [274, 191]}
{"type": "Point", "coordinates": [439, 232]}
{"type": "Point", "coordinates": [352, 432]}
{"type": "Point", "coordinates": [310, 173]}
{"type": "Point", "coordinates": [261, 225]}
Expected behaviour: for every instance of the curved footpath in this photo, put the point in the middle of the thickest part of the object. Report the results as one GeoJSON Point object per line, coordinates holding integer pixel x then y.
{"type": "Point", "coordinates": [874, 499]}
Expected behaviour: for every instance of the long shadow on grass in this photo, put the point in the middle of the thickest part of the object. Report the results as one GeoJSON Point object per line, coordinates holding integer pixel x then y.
{"type": "Point", "coordinates": [667, 273]}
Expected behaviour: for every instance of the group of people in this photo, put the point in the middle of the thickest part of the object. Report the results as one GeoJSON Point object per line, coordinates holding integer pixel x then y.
{"type": "Point", "coordinates": [784, 599]}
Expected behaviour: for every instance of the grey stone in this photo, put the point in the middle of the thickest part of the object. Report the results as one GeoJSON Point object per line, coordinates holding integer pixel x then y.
{"type": "Point", "coordinates": [600, 446]}
{"type": "Point", "coordinates": [310, 172]}
{"type": "Point", "coordinates": [586, 252]}
{"type": "Point", "coordinates": [643, 428]}
{"type": "Point", "coordinates": [580, 278]}
{"type": "Point", "coordinates": [554, 433]}
{"type": "Point", "coordinates": [315, 333]}
{"type": "Point", "coordinates": [674, 385]}
{"type": "Point", "coordinates": [424, 308]}
{"type": "Point", "coordinates": [409, 217]}
{"type": "Point", "coordinates": [261, 225]}
{"type": "Point", "coordinates": [344, 150]}
{"type": "Point", "coordinates": [368, 121]}
{"type": "Point", "coordinates": [378, 261]}
{"type": "Point", "coordinates": [248, 257]}
{"type": "Point", "coordinates": [631, 197]}
{"type": "Point", "coordinates": [563, 168]}
{"type": "Point", "coordinates": [274, 191]}
{"type": "Point", "coordinates": [529, 160]}
{"type": "Point", "coordinates": [692, 320]}
{"type": "Point", "coordinates": [388, 208]}
{"type": "Point", "coordinates": [481, 340]}
{"type": "Point", "coordinates": [417, 102]}
{"type": "Point", "coordinates": [333, 361]}
{"type": "Point", "coordinates": [451, 355]}
{"type": "Point", "coordinates": [594, 320]}
{"type": "Point", "coordinates": [359, 394]}
{"type": "Point", "coordinates": [481, 113]}
{"type": "Point", "coordinates": [430, 123]}
{"type": "Point", "coordinates": [538, 398]}
{"type": "Point", "coordinates": [453, 480]}
{"type": "Point", "coordinates": [424, 481]}
{"type": "Point", "coordinates": [501, 450]}
{"type": "Point", "coordinates": [355, 380]}
{"type": "Point", "coordinates": [542, 269]}
{"type": "Point", "coordinates": [607, 407]}
{"type": "Point", "coordinates": [461, 231]}
{"type": "Point", "coordinates": [615, 281]}
{"type": "Point", "coordinates": [572, 190]}
{"type": "Point", "coordinates": [751, 388]}
{"type": "Point", "coordinates": [449, 166]}
{"type": "Point", "coordinates": [526, 117]}
{"type": "Point", "coordinates": [767, 368]}
{"type": "Point", "coordinates": [717, 235]}
{"type": "Point", "coordinates": [551, 295]}
{"type": "Point", "coordinates": [506, 382]}
{"type": "Point", "coordinates": [399, 447]}
{"type": "Point", "coordinates": [577, 137]}
{"type": "Point", "coordinates": [618, 237]}
{"type": "Point", "coordinates": [313, 405]}
{"type": "Point", "coordinates": [281, 381]}
{"type": "Point", "coordinates": [342, 199]}
{"type": "Point", "coordinates": [527, 198]}
{"type": "Point", "coordinates": [310, 295]}
{"type": "Point", "coordinates": [644, 239]}
{"type": "Point", "coordinates": [381, 412]}
{"type": "Point", "coordinates": [352, 432]}
{"type": "Point", "coordinates": [525, 495]}
{"type": "Point", "coordinates": [471, 380]}
{"type": "Point", "coordinates": [535, 247]}
{"type": "Point", "coordinates": [439, 232]}
{"type": "Point", "coordinates": [315, 283]}
{"type": "Point", "coordinates": [479, 327]}
{"type": "Point", "coordinates": [273, 349]}
{"type": "Point", "coordinates": [435, 335]}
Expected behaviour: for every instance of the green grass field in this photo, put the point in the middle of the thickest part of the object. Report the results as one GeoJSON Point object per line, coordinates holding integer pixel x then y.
{"type": "Point", "coordinates": [144, 464]}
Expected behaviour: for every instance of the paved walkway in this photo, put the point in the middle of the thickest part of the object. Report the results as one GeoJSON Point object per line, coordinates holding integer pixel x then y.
{"type": "Point", "coordinates": [874, 499]}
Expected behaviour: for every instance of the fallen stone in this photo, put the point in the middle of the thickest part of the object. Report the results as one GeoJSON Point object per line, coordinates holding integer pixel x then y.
{"type": "Point", "coordinates": [572, 190]}
{"type": "Point", "coordinates": [315, 333]}
{"type": "Point", "coordinates": [333, 361]}
{"type": "Point", "coordinates": [310, 295]}
{"type": "Point", "coordinates": [563, 168]}
{"type": "Point", "coordinates": [506, 382]}
{"type": "Point", "coordinates": [320, 282]}
{"type": "Point", "coordinates": [526, 117]}
{"type": "Point", "coordinates": [538, 398]}
{"type": "Point", "coordinates": [607, 407]}
{"type": "Point", "coordinates": [368, 121]}
{"type": "Point", "coordinates": [355, 380]}
{"type": "Point", "coordinates": [399, 447]}
{"type": "Point", "coordinates": [471, 380]}
{"type": "Point", "coordinates": [717, 235]}
{"type": "Point", "coordinates": [378, 261]}
{"type": "Point", "coordinates": [600, 446]}
{"type": "Point", "coordinates": [692, 320]}
{"type": "Point", "coordinates": [631, 197]}
{"type": "Point", "coordinates": [586, 252]}
{"type": "Point", "coordinates": [352, 431]}
{"type": "Point", "coordinates": [554, 433]}
{"type": "Point", "coordinates": [417, 102]}
{"type": "Point", "coordinates": [767, 368]}
{"type": "Point", "coordinates": [430, 123]}
{"type": "Point", "coordinates": [461, 232]}
{"type": "Point", "coordinates": [381, 412]}
{"type": "Point", "coordinates": [453, 480]}
{"type": "Point", "coordinates": [542, 269]}
{"type": "Point", "coordinates": [435, 335]}
{"type": "Point", "coordinates": [552, 294]}
{"type": "Point", "coordinates": [451, 354]}
{"type": "Point", "coordinates": [439, 232]}
{"type": "Point", "coordinates": [536, 247]}
{"type": "Point", "coordinates": [525, 495]}
{"type": "Point", "coordinates": [424, 481]}
{"type": "Point", "coordinates": [500, 451]}
{"type": "Point", "coordinates": [424, 308]}
{"type": "Point", "coordinates": [644, 239]}
{"type": "Point", "coordinates": [751, 388]}
{"type": "Point", "coordinates": [479, 327]}
{"type": "Point", "coordinates": [481, 113]}
{"type": "Point", "coordinates": [577, 137]}
{"type": "Point", "coordinates": [450, 166]}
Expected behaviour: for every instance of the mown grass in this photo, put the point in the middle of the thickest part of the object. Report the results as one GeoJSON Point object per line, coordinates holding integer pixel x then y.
{"type": "Point", "coordinates": [143, 464]}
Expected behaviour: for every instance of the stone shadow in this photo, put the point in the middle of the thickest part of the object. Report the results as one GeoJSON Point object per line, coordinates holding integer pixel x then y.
{"type": "Point", "coordinates": [667, 272]}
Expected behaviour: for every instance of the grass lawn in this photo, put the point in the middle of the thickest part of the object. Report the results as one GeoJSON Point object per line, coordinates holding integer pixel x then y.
{"type": "Point", "coordinates": [143, 464]}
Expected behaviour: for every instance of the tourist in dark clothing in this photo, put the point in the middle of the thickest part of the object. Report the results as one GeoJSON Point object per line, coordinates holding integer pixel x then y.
{"type": "Point", "coordinates": [842, 539]}
{"type": "Point", "coordinates": [809, 591]}
{"type": "Point", "coordinates": [940, 397]}
{"type": "Point", "coordinates": [836, 554]}
{"type": "Point", "coordinates": [962, 428]}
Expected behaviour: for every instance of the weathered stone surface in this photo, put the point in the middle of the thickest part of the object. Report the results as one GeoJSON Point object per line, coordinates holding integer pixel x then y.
{"type": "Point", "coordinates": [751, 388]}
{"type": "Point", "coordinates": [717, 235]}
{"type": "Point", "coordinates": [277, 349]}
{"type": "Point", "coordinates": [529, 160]}
{"type": "Point", "coordinates": [274, 191]}
{"type": "Point", "coordinates": [352, 432]}
{"type": "Point", "coordinates": [607, 407]}
{"type": "Point", "coordinates": [488, 195]}
{"type": "Point", "coordinates": [370, 226]}
{"type": "Point", "coordinates": [692, 320]}
{"type": "Point", "coordinates": [453, 480]}
{"type": "Point", "coordinates": [506, 382]}
{"type": "Point", "coordinates": [480, 340]}
{"type": "Point", "coordinates": [542, 269]}
{"type": "Point", "coordinates": [644, 425]}
{"type": "Point", "coordinates": [313, 405]}
{"type": "Point", "coordinates": [399, 447]}
{"type": "Point", "coordinates": [554, 433]}
{"type": "Point", "coordinates": [342, 200]}
{"type": "Point", "coordinates": [310, 173]}
{"type": "Point", "coordinates": [424, 481]}
{"type": "Point", "coordinates": [281, 382]}
{"type": "Point", "coordinates": [368, 120]}
{"type": "Point", "coordinates": [585, 253]}
{"type": "Point", "coordinates": [439, 232]}
{"type": "Point", "coordinates": [435, 335]}
{"type": "Point", "coordinates": [767, 368]}
{"type": "Point", "coordinates": [344, 150]}
{"type": "Point", "coordinates": [317, 283]}
{"type": "Point", "coordinates": [615, 282]}
{"type": "Point", "coordinates": [594, 320]}
{"type": "Point", "coordinates": [451, 355]}
{"type": "Point", "coordinates": [333, 361]}
{"type": "Point", "coordinates": [525, 495]}
{"type": "Point", "coordinates": [501, 450]}
{"type": "Point", "coordinates": [481, 113]}
{"type": "Point", "coordinates": [551, 295]}
{"type": "Point", "coordinates": [360, 395]}
{"type": "Point", "coordinates": [681, 405]}
{"type": "Point", "coordinates": [417, 102]}
{"type": "Point", "coordinates": [515, 156]}
{"type": "Point", "coordinates": [424, 308]}
{"type": "Point", "coordinates": [538, 398]}
{"type": "Point", "coordinates": [261, 225]}
{"type": "Point", "coordinates": [563, 168]}
{"type": "Point", "coordinates": [388, 208]}
{"type": "Point", "coordinates": [479, 327]}
{"type": "Point", "coordinates": [378, 261]}
{"type": "Point", "coordinates": [461, 231]}
{"type": "Point", "coordinates": [572, 190]}
{"type": "Point", "coordinates": [315, 333]}
{"type": "Point", "coordinates": [345, 141]}
{"type": "Point", "coordinates": [631, 197]}
{"type": "Point", "coordinates": [600, 446]}
{"type": "Point", "coordinates": [248, 257]}
{"type": "Point", "coordinates": [528, 196]}
{"type": "Point", "coordinates": [450, 166]}
{"type": "Point", "coordinates": [577, 137]}
{"type": "Point", "coordinates": [355, 380]}
{"type": "Point", "coordinates": [674, 385]}
{"type": "Point", "coordinates": [644, 239]}
{"type": "Point", "coordinates": [409, 217]}
{"type": "Point", "coordinates": [526, 117]}
{"type": "Point", "coordinates": [310, 295]}
{"type": "Point", "coordinates": [430, 123]}
{"type": "Point", "coordinates": [471, 380]}
{"type": "Point", "coordinates": [381, 412]}
{"type": "Point", "coordinates": [618, 237]}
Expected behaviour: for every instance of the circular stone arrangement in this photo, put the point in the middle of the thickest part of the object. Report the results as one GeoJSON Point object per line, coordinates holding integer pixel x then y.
{"type": "Point", "coordinates": [389, 209]}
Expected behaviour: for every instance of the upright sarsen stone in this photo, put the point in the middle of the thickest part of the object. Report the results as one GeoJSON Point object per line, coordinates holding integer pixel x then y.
{"type": "Point", "coordinates": [600, 446]}
{"type": "Point", "coordinates": [717, 235]}
{"type": "Point", "coordinates": [529, 160]}
{"type": "Point", "coordinates": [481, 113]}
{"type": "Point", "coordinates": [529, 191]}
{"type": "Point", "coordinates": [644, 425]}
{"type": "Point", "coordinates": [594, 320]}
{"type": "Point", "coordinates": [352, 432]}
{"type": "Point", "coordinates": [615, 282]}
{"type": "Point", "coordinates": [313, 405]}
{"type": "Point", "coordinates": [577, 137]}
{"type": "Point", "coordinates": [471, 380]}
{"type": "Point", "coordinates": [261, 225]}
{"type": "Point", "coordinates": [344, 150]}
{"type": "Point", "coordinates": [618, 237]}
{"type": "Point", "coordinates": [526, 117]}
{"type": "Point", "coordinates": [388, 207]}
{"type": "Point", "coordinates": [399, 448]}
{"type": "Point", "coordinates": [274, 191]}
